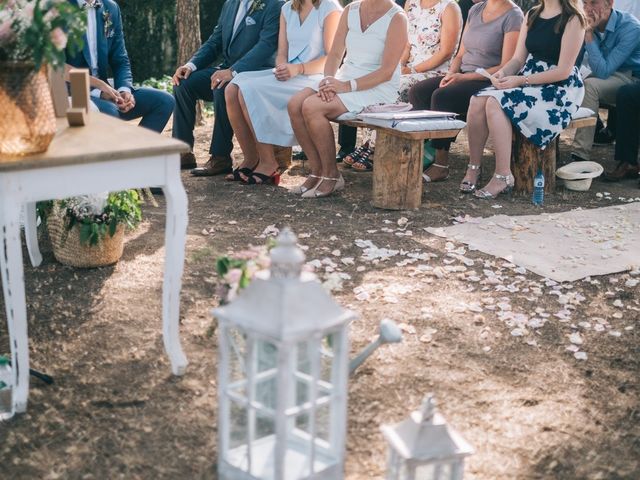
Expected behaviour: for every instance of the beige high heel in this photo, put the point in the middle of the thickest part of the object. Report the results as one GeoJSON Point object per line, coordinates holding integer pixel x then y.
{"type": "Point", "coordinates": [509, 182]}
{"type": "Point", "coordinates": [313, 193]}
{"type": "Point", "coordinates": [300, 189]}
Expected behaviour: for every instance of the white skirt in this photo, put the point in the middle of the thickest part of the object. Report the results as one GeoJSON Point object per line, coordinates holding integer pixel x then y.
{"type": "Point", "coordinates": [266, 98]}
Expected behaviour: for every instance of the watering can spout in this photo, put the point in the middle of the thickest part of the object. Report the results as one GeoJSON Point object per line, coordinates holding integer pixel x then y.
{"type": "Point", "coordinates": [389, 333]}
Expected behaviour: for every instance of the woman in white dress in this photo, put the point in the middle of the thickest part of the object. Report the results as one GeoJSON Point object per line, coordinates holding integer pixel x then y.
{"type": "Point", "coordinates": [257, 101]}
{"type": "Point", "coordinates": [374, 34]}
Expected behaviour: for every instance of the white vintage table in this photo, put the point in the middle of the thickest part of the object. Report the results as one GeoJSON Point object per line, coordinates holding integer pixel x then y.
{"type": "Point", "coordinates": [106, 155]}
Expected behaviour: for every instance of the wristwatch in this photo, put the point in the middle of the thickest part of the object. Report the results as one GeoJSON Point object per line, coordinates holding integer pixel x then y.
{"type": "Point", "coordinates": [233, 72]}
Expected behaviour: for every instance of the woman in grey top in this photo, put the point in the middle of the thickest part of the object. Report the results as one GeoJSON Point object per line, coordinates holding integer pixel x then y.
{"type": "Point", "coordinates": [488, 42]}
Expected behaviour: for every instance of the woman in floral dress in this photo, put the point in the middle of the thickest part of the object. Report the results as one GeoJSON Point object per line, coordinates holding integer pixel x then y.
{"type": "Point", "coordinates": [434, 33]}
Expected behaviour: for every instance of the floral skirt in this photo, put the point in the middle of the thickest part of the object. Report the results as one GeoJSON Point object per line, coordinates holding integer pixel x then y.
{"type": "Point", "coordinates": [540, 112]}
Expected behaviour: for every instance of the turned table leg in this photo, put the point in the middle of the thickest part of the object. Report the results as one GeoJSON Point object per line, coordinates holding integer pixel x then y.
{"type": "Point", "coordinates": [397, 182]}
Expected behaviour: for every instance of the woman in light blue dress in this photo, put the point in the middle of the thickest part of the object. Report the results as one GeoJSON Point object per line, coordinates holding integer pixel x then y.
{"type": "Point", "coordinates": [257, 101]}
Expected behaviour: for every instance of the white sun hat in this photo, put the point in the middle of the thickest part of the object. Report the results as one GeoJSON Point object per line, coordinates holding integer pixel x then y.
{"type": "Point", "coordinates": [578, 175]}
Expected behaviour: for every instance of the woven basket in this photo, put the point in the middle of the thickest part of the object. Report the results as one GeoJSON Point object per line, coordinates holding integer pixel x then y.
{"type": "Point", "coordinates": [69, 251]}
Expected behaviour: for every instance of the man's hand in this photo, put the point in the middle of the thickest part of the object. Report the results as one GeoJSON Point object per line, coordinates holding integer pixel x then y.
{"type": "Point", "coordinates": [182, 73]}
{"type": "Point", "coordinates": [286, 71]}
{"type": "Point", "coordinates": [128, 101]}
{"type": "Point", "coordinates": [220, 78]}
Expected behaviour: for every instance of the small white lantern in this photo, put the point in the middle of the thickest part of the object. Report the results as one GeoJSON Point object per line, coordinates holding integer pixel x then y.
{"type": "Point", "coordinates": [424, 447]}
{"type": "Point", "coordinates": [282, 375]}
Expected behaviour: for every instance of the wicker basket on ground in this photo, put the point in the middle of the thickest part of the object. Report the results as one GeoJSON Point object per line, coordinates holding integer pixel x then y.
{"type": "Point", "coordinates": [69, 251]}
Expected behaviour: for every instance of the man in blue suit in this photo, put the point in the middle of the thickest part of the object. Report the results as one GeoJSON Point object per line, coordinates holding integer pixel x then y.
{"type": "Point", "coordinates": [104, 50]}
{"type": "Point", "coordinates": [246, 38]}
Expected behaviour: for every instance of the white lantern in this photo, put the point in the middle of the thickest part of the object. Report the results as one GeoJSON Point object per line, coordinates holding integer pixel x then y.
{"type": "Point", "coordinates": [424, 447]}
{"type": "Point", "coordinates": [282, 375]}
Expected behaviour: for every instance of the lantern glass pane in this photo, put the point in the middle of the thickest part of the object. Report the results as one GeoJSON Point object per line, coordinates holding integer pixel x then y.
{"type": "Point", "coordinates": [238, 432]}
{"type": "Point", "coordinates": [440, 471]}
{"type": "Point", "coordinates": [265, 395]}
{"type": "Point", "coordinates": [237, 374]}
{"type": "Point", "coordinates": [327, 354]}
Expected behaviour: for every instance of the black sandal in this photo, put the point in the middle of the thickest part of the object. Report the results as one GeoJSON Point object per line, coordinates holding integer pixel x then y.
{"type": "Point", "coordinates": [274, 179]}
{"type": "Point", "coordinates": [235, 175]}
{"type": "Point", "coordinates": [364, 163]}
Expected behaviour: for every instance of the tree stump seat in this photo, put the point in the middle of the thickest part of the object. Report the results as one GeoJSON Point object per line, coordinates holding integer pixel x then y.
{"type": "Point", "coordinates": [527, 158]}
{"type": "Point", "coordinates": [397, 169]}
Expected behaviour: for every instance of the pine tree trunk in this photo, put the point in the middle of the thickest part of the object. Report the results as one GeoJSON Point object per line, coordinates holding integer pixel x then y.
{"type": "Point", "coordinates": [188, 28]}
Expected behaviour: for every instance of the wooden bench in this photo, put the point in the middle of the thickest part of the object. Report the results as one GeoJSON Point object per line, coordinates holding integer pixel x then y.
{"type": "Point", "coordinates": [397, 170]}
{"type": "Point", "coordinates": [527, 158]}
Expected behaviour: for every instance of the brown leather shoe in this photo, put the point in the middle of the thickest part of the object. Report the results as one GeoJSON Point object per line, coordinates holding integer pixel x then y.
{"type": "Point", "coordinates": [187, 161]}
{"type": "Point", "coordinates": [622, 171]}
{"type": "Point", "coordinates": [214, 166]}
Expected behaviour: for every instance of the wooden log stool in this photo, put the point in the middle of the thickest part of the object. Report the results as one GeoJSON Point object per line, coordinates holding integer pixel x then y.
{"type": "Point", "coordinates": [397, 169]}
{"type": "Point", "coordinates": [283, 157]}
{"type": "Point", "coordinates": [527, 159]}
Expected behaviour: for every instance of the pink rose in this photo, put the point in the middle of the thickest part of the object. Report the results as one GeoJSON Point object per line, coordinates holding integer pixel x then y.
{"type": "Point", "coordinates": [27, 12]}
{"type": "Point", "coordinates": [5, 29]}
{"type": "Point", "coordinates": [233, 276]}
{"type": "Point", "coordinates": [58, 38]}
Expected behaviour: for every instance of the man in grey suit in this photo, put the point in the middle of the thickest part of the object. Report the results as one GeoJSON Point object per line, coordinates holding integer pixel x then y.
{"type": "Point", "coordinates": [246, 39]}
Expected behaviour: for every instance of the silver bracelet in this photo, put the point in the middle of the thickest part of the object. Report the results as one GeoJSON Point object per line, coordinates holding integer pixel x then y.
{"type": "Point", "coordinates": [354, 85]}
{"type": "Point", "coordinates": [412, 69]}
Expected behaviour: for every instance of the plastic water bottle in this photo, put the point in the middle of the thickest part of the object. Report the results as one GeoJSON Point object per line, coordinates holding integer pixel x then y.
{"type": "Point", "coordinates": [6, 389]}
{"type": "Point", "coordinates": [538, 188]}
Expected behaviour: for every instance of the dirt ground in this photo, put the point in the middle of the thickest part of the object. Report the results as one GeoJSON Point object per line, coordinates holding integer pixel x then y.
{"type": "Point", "coordinates": [527, 405]}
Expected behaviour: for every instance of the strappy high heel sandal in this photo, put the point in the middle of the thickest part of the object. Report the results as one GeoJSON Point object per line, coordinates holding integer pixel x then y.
{"type": "Point", "coordinates": [234, 176]}
{"type": "Point", "coordinates": [252, 179]}
{"type": "Point", "coordinates": [428, 179]}
{"type": "Point", "coordinates": [365, 162]}
{"type": "Point", "coordinates": [313, 193]}
{"type": "Point", "coordinates": [300, 189]}
{"type": "Point", "coordinates": [470, 187]}
{"type": "Point", "coordinates": [355, 155]}
{"type": "Point", "coordinates": [509, 182]}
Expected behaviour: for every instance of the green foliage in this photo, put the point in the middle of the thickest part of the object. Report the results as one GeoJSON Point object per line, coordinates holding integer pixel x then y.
{"type": "Point", "coordinates": [39, 31]}
{"type": "Point", "coordinates": [120, 207]}
{"type": "Point", "coordinates": [163, 83]}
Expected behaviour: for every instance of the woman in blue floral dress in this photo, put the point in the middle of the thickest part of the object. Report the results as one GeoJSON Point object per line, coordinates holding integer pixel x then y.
{"type": "Point", "coordinates": [537, 91]}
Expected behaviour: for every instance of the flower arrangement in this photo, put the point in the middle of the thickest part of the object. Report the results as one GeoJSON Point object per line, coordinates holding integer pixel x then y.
{"type": "Point", "coordinates": [237, 271]}
{"type": "Point", "coordinates": [96, 215]}
{"type": "Point", "coordinates": [38, 31]}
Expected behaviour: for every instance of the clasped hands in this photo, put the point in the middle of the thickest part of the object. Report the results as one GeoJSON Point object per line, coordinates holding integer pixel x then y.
{"type": "Point", "coordinates": [502, 82]}
{"type": "Point", "coordinates": [330, 86]}
{"type": "Point", "coordinates": [124, 100]}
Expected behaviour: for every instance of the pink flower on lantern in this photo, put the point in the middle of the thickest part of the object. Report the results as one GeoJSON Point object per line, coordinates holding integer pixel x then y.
{"type": "Point", "coordinates": [27, 12]}
{"type": "Point", "coordinates": [5, 29]}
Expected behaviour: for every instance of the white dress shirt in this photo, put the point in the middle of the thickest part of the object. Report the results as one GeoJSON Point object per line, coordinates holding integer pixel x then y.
{"type": "Point", "coordinates": [243, 8]}
{"type": "Point", "coordinates": [92, 40]}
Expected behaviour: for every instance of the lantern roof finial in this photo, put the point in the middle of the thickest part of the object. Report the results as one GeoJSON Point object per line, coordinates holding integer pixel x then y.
{"type": "Point", "coordinates": [428, 409]}
{"type": "Point", "coordinates": [286, 258]}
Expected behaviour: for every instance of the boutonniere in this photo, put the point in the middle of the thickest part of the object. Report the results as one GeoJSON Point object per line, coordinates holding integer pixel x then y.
{"type": "Point", "coordinates": [108, 24]}
{"type": "Point", "coordinates": [256, 6]}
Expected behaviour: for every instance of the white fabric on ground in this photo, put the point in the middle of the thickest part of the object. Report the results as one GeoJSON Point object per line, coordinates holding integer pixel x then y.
{"type": "Point", "coordinates": [564, 246]}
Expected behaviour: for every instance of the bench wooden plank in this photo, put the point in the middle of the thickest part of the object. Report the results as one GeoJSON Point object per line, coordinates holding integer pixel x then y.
{"type": "Point", "coordinates": [582, 122]}
{"type": "Point", "coordinates": [424, 135]}
{"type": "Point", "coordinates": [397, 182]}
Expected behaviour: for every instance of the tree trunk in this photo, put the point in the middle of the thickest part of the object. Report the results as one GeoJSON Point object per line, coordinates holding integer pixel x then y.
{"type": "Point", "coordinates": [188, 28]}
{"type": "Point", "coordinates": [527, 158]}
